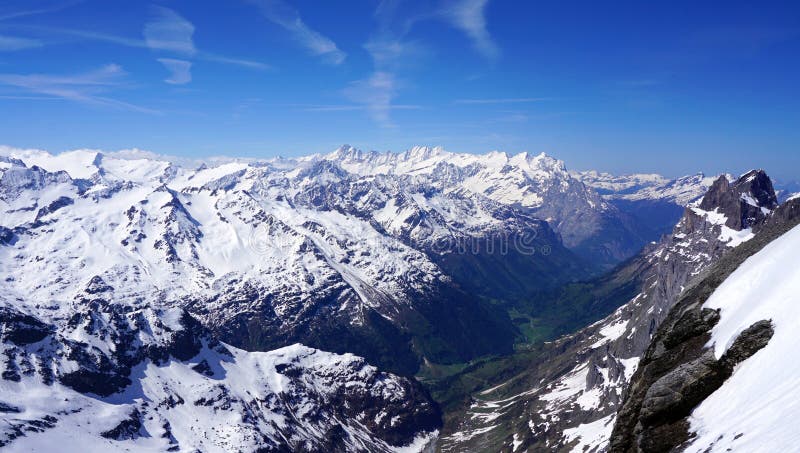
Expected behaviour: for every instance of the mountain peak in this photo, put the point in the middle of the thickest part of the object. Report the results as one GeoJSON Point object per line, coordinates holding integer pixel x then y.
{"type": "Point", "coordinates": [424, 152]}
{"type": "Point", "coordinates": [346, 152]}
{"type": "Point", "coordinates": [743, 202]}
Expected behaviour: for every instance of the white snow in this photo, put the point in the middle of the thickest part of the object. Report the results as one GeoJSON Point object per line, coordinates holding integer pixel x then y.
{"type": "Point", "coordinates": [78, 164]}
{"type": "Point", "coordinates": [591, 436]}
{"type": "Point", "coordinates": [569, 386]}
{"type": "Point", "coordinates": [715, 217]}
{"type": "Point", "coordinates": [680, 191]}
{"type": "Point", "coordinates": [516, 442]}
{"type": "Point", "coordinates": [216, 425]}
{"type": "Point", "coordinates": [611, 332]}
{"type": "Point", "coordinates": [733, 238]}
{"type": "Point", "coordinates": [749, 200]}
{"type": "Point", "coordinates": [630, 365]}
{"type": "Point", "coordinates": [419, 443]}
{"type": "Point", "coordinates": [760, 403]}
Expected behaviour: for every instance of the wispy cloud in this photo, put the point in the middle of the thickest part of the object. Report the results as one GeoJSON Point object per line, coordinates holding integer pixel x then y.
{"type": "Point", "coordinates": [470, 17]}
{"type": "Point", "coordinates": [181, 70]}
{"type": "Point", "coordinates": [375, 94]}
{"type": "Point", "coordinates": [13, 43]}
{"type": "Point", "coordinates": [216, 58]}
{"type": "Point", "coordinates": [140, 43]}
{"type": "Point", "coordinates": [499, 101]}
{"type": "Point", "coordinates": [287, 17]}
{"type": "Point", "coordinates": [166, 32]}
{"type": "Point", "coordinates": [169, 31]}
{"type": "Point", "coordinates": [392, 51]}
{"type": "Point", "coordinates": [37, 11]}
{"type": "Point", "coordinates": [391, 54]}
{"type": "Point", "coordinates": [87, 88]}
{"type": "Point", "coordinates": [28, 98]}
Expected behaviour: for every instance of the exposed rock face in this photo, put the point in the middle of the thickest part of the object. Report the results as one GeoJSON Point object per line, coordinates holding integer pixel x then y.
{"type": "Point", "coordinates": [569, 395]}
{"type": "Point", "coordinates": [746, 202]}
{"type": "Point", "coordinates": [678, 371]}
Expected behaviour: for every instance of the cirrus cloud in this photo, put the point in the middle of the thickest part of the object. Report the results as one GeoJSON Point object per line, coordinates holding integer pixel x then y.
{"type": "Point", "coordinates": [181, 70]}
{"type": "Point", "coordinates": [287, 17]}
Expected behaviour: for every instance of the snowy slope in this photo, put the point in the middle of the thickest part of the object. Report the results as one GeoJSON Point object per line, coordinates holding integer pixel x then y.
{"type": "Point", "coordinates": [756, 408]}
{"type": "Point", "coordinates": [118, 377]}
{"type": "Point", "coordinates": [151, 216]}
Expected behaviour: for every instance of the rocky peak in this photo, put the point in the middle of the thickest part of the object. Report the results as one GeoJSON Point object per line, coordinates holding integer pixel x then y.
{"type": "Point", "coordinates": [744, 202]}
{"type": "Point", "coordinates": [6, 162]}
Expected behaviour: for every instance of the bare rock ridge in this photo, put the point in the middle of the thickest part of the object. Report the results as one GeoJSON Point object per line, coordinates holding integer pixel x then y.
{"type": "Point", "coordinates": [679, 370]}
{"type": "Point", "coordinates": [745, 202]}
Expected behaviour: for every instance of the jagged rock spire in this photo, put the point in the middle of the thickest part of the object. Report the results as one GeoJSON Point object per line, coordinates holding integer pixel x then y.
{"type": "Point", "coordinates": [744, 202]}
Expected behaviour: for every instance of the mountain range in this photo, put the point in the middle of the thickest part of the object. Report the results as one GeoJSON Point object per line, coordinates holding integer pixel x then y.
{"type": "Point", "coordinates": [341, 302]}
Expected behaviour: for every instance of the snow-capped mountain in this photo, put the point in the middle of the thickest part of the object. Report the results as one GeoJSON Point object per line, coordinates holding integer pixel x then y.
{"type": "Point", "coordinates": [538, 184]}
{"type": "Point", "coordinates": [121, 273]}
{"type": "Point", "coordinates": [721, 372]}
{"type": "Point", "coordinates": [101, 352]}
{"type": "Point", "coordinates": [647, 186]}
{"type": "Point", "coordinates": [116, 376]}
{"type": "Point", "coordinates": [350, 252]}
{"type": "Point", "coordinates": [568, 397]}
{"type": "Point", "coordinates": [655, 203]}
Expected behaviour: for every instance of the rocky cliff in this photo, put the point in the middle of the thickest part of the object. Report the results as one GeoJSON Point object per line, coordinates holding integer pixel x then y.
{"type": "Point", "coordinates": [682, 368]}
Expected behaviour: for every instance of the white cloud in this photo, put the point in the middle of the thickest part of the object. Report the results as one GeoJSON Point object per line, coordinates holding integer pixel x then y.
{"type": "Point", "coordinates": [469, 16]}
{"type": "Point", "coordinates": [13, 43]}
{"type": "Point", "coordinates": [35, 12]}
{"type": "Point", "coordinates": [86, 88]}
{"type": "Point", "coordinates": [169, 31]}
{"type": "Point", "coordinates": [215, 58]}
{"type": "Point", "coordinates": [140, 43]}
{"type": "Point", "coordinates": [166, 32]}
{"type": "Point", "coordinates": [287, 17]}
{"type": "Point", "coordinates": [181, 70]}
{"type": "Point", "coordinates": [375, 94]}
{"type": "Point", "coordinates": [391, 53]}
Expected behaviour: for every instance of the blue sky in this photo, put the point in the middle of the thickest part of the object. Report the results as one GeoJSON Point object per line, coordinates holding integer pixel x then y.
{"type": "Point", "coordinates": [676, 87]}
